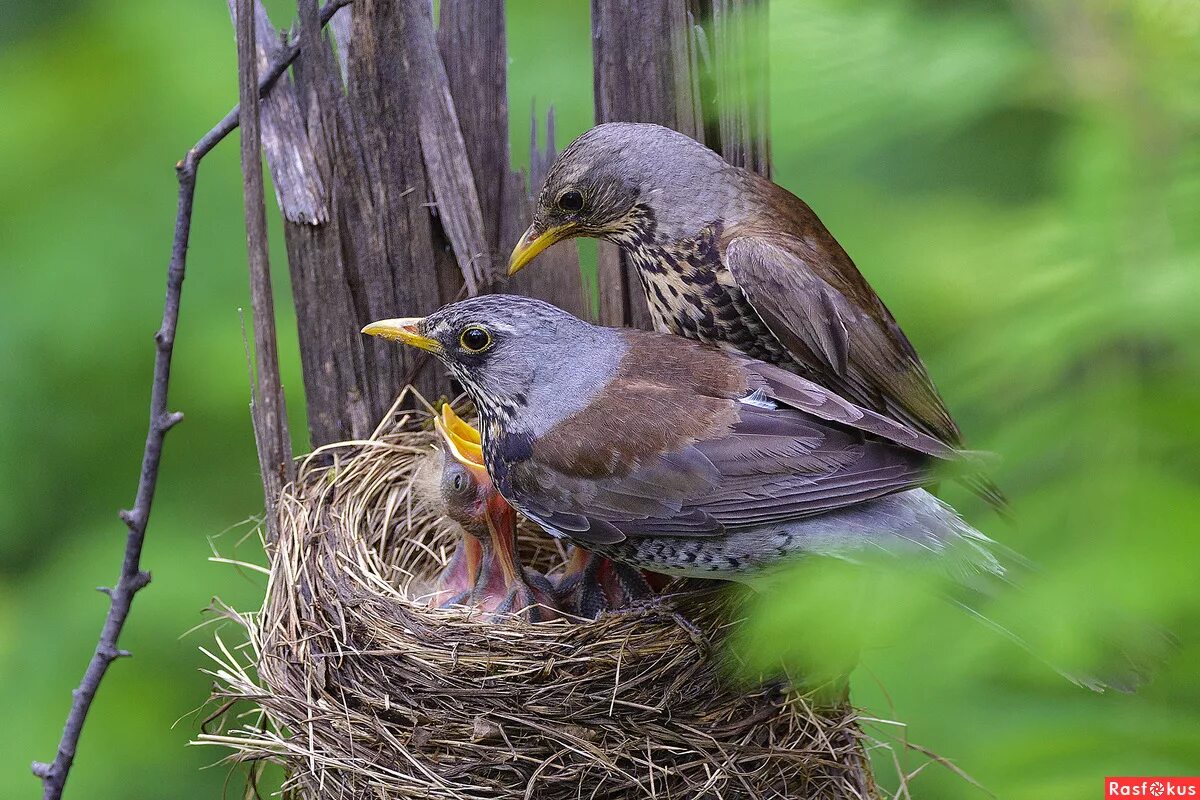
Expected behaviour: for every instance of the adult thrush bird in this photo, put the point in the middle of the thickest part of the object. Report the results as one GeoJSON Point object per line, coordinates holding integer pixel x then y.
{"type": "Point", "coordinates": [677, 457]}
{"type": "Point", "coordinates": [485, 569]}
{"type": "Point", "coordinates": [728, 257]}
{"type": "Point", "coordinates": [680, 458]}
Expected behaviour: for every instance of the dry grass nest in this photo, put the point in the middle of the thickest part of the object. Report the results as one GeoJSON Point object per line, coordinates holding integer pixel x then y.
{"type": "Point", "coordinates": [360, 690]}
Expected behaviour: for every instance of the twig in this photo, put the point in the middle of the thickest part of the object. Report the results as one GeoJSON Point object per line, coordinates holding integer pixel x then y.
{"type": "Point", "coordinates": [133, 578]}
{"type": "Point", "coordinates": [267, 404]}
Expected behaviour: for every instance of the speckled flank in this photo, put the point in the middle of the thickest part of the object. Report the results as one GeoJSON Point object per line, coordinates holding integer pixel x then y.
{"type": "Point", "coordinates": [914, 523]}
{"type": "Point", "coordinates": [735, 557]}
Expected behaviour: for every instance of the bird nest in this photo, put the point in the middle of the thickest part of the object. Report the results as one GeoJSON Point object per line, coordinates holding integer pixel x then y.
{"type": "Point", "coordinates": [359, 689]}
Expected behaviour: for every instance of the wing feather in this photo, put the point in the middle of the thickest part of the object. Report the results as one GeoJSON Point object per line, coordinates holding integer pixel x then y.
{"type": "Point", "coordinates": [811, 454]}
{"type": "Point", "coordinates": [859, 351]}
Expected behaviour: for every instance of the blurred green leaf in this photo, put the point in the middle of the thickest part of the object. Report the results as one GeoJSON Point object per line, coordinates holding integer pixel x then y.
{"type": "Point", "coordinates": [1020, 181]}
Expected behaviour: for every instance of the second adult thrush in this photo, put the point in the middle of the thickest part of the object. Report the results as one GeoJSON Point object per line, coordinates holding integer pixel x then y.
{"type": "Point", "coordinates": [728, 257]}
{"type": "Point", "coordinates": [680, 458]}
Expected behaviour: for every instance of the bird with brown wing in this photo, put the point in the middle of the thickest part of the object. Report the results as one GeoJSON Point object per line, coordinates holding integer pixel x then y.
{"type": "Point", "coordinates": [726, 256]}
{"type": "Point", "coordinates": [677, 457]}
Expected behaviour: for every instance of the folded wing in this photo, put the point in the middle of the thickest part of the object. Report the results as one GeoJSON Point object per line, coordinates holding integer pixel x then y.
{"type": "Point", "coordinates": [790, 451]}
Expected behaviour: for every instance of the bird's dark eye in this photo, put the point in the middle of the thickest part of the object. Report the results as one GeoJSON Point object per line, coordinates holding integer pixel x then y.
{"type": "Point", "coordinates": [459, 482]}
{"type": "Point", "coordinates": [571, 201]}
{"type": "Point", "coordinates": [475, 339]}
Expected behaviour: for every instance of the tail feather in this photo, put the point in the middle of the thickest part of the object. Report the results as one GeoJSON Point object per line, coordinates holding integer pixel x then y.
{"type": "Point", "coordinates": [1128, 663]}
{"type": "Point", "coordinates": [1127, 668]}
{"type": "Point", "coordinates": [971, 570]}
{"type": "Point", "coordinates": [985, 488]}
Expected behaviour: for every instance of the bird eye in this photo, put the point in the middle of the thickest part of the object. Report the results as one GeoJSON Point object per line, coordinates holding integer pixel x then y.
{"type": "Point", "coordinates": [571, 201]}
{"type": "Point", "coordinates": [459, 482]}
{"type": "Point", "coordinates": [475, 339]}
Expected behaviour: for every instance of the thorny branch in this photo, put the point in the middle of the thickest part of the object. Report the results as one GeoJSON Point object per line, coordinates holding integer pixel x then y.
{"type": "Point", "coordinates": [133, 578]}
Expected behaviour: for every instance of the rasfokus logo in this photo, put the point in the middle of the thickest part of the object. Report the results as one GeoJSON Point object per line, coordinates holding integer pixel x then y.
{"type": "Point", "coordinates": [1151, 787]}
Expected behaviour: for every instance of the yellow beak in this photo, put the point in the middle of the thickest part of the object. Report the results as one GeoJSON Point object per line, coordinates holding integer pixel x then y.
{"type": "Point", "coordinates": [532, 243]}
{"type": "Point", "coordinates": [403, 330]}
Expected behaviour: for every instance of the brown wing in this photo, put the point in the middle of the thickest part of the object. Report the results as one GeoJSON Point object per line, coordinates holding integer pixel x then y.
{"type": "Point", "coordinates": [672, 461]}
{"type": "Point", "coordinates": [863, 357]}
{"type": "Point", "coordinates": [818, 305]}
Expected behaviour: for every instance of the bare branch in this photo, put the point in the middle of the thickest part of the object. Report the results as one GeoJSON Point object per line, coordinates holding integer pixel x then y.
{"type": "Point", "coordinates": [54, 774]}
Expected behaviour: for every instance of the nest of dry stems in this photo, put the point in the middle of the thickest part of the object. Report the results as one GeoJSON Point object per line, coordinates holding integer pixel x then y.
{"type": "Point", "coordinates": [360, 690]}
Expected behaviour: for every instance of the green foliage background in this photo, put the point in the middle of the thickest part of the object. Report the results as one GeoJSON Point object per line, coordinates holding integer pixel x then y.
{"type": "Point", "coordinates": [1020, 181]}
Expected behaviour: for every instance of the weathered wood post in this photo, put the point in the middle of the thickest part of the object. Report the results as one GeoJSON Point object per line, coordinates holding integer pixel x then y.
{"type": "Point", "coordinates": [395, 201]}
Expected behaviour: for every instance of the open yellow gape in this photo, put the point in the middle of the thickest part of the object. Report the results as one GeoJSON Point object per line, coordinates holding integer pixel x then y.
{"type": "Point", "coordinates": [462, 440]}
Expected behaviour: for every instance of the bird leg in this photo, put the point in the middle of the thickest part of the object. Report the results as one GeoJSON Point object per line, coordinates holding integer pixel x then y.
{"type": "Point", "coordinates": [624, 585]}
{"type": "Point", "coordinates": [579, 588]}
{"type": "Point", "coordinates": [591, 584]}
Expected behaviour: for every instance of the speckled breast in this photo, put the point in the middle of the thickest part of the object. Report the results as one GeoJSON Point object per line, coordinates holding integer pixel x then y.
{"type": "Point", "coordinates": [691, 293]}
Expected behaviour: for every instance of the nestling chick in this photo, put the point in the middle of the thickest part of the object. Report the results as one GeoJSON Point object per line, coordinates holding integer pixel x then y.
{"type": "Point", "coordinates": [500, 584]}
{"type": "Point", "coordinates": [458, 493]}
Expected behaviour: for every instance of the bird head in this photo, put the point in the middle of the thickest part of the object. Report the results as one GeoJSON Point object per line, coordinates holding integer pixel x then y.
{"type": "Point", "coordinates": [465, 487]}
{"type": "Point", "coordinates": [627, 182]}
{"type": "Point", "coordinates": [525, 364]}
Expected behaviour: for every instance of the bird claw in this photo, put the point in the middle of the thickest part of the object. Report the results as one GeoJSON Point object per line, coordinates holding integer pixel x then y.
{"type": "Point", "coordinates": [694, 633]}
{"type": "Point", "coordinates": [528, 603]}
{"type": "Point", "coordinates": [663, 604]}
{"type": "Point", "coordinates": [593, 585]}
{"type": "Point", "coordinates": [590, 600]}
{"type": "Point", "coordinates": [626, 585]}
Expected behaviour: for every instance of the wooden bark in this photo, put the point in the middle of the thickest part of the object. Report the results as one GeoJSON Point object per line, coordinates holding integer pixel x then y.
{"type": "Point", "coordinates": [637, 78]}
{"type": "Point", "coordinates": [737, 33]}
{"type": "Point", "coordinates": [471, 37]}
{"type": "Point", "coordinates": [267, 406]}
{"type": "Point", "coordinates": [388, 149]}
{"type": "Point", "coordinates": [698, 66]}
